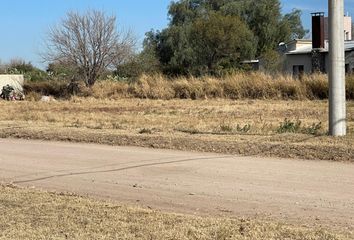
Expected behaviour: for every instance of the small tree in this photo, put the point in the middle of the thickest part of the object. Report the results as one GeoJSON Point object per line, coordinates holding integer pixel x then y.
{"type": "Point", "coordinates": [90, 42]}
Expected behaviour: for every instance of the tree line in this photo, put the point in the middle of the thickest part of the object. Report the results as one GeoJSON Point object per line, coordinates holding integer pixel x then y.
{"type": "Point", "coordinates": [203, 37]}
{"type": "Point", "coordinates": [214, 36]}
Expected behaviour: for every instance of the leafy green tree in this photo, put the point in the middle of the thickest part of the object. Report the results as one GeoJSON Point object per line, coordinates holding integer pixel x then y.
{"type": "Point", "coordinates": [30, 72]}
{"type": "Point", "coordinates": [292, 24]}
{"type": "Point", "coordinates": [147, 61]}
{"type": "Point", "coordinates": [173, 49]}
{"type": "Point", "coordinates": [220, 43]}
{"type": "Point", "coordinates": [264, 18]}
{"type": "Point", "coordinates": [179, 48]}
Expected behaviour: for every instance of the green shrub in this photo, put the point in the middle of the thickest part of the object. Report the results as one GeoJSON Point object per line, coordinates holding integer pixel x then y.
{"type": "Point", "coordinates": [314, 129]}
{"type": "Point", "coordinates": [243, 129]}
{"type": "Point", "coordinates": [288, 126]}
{"type": "Point", "coordinates": [226, 128]}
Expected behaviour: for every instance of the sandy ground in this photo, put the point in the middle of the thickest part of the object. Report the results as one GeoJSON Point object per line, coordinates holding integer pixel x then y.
{"type": "Point", "coordinates": [318, 192]}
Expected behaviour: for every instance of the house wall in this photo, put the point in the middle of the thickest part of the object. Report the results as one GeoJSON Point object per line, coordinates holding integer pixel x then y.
{"type": "Point", "coordinates": [349, 62]}
{"type": "Point", "coordinates": [298, 59]}
{"type": "Point", "coordinates": [306, 61]}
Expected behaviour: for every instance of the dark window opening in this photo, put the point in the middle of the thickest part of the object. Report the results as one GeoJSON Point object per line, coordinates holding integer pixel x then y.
{"type": "Point", "coordinates": [298, 71]}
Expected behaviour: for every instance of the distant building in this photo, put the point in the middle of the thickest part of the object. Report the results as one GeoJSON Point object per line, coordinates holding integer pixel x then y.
{"type": "Point", "coordinates": [304, 59]}
{"type": "Point", "coordinates": [309, 56]}
{"type": "Point", "coordinates": [347, 28]}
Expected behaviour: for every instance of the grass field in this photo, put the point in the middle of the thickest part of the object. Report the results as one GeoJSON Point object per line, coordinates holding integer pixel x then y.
{"type": "Point", "coordinates": [295, 129]}
{"type": "Point", "coordinates": [32, 214]}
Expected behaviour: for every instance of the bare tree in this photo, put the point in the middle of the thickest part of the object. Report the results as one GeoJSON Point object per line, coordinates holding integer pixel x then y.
{"type": "Point", "coordinates": [90, 42]}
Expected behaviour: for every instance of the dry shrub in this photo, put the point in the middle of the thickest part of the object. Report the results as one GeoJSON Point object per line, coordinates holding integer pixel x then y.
{"type": "Point", "coordinates": [232, 87]}
{"type": "Point", "coordinates": [33, 96]}
{"type": "Point", "coordinates": [188, 88]}
{"type": "Point", "coordinates": [350, 86]}
{"type": "Point", "coordinates": [153, 87]}
{"type": "Point", "coordinates": [110, 89]}
{"type": "Point", "coordinates": [48, 88]}
{"type": "Point", "coordinates": [252, 85]}
{"type": "Point", "coordinates": [242, 85]}
{"type": "Point", "coordinates": [288, 88]}
{"type": "Point", "coordinates": [316, 86]}
{"type": "Point", "coordinates": [258, 86]}
{"type": "Point", "coordinates": [212, 87]}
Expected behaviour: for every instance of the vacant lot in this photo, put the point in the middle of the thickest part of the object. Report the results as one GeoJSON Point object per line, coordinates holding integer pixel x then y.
{"type": "Point", "coordinates": [29, 214]}
{"type": "Point", "coordinates": [249, 127]}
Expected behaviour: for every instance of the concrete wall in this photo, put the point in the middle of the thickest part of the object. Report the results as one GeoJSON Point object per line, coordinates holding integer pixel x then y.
{"type": "Point", "coordinates": [298, 59]}
{"type": "Point", "coordinates": [16, 81]}
{"type": "Point", "coordinates": [306, 61]}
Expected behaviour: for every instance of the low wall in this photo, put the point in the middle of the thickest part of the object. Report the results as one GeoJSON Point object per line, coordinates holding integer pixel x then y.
{"type": "Point", "coordinates": [16, 81]}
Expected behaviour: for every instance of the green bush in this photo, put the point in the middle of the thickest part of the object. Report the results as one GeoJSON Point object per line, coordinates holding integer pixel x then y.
{"type": "Point", "coordinates": [288, 126]}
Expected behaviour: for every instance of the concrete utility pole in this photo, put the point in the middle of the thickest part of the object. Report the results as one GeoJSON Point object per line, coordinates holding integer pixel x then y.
{"type": "Point", "coordinates": [337, 101]}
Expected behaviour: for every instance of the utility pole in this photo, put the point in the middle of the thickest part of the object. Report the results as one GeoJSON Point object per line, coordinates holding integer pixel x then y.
{"type": "Point", "coordinates": [337, 101]}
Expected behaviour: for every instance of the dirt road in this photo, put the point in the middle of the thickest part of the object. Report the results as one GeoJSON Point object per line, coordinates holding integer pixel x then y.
{"type": "Point", "coordinates": [292, 190]}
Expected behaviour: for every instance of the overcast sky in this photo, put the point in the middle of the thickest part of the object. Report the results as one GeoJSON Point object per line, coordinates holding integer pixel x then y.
{"type": "Point", "coordinates": [24, 22]}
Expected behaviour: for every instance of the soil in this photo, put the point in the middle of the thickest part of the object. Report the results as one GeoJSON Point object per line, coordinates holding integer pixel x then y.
{"type": "Point", "coordinates": [320, 192]}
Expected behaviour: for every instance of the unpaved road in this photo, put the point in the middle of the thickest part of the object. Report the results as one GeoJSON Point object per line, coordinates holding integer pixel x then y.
{"type": "Point", "coordinates": [292, 190]}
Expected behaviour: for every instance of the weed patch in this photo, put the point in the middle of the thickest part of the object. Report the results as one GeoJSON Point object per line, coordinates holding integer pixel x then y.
{"type": "Point", "coordinates": [289, 126]}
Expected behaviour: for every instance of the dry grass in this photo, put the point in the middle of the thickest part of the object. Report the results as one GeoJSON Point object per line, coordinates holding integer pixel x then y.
{"type": "Point", "coordinates": [236, 86]}
{"type": "Point", "coordinates": [248, 127]}
{"type": "Point", "coordinates": [30, 214]}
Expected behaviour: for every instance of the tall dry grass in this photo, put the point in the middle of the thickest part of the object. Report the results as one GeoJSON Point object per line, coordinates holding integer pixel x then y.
{"type": "Point", "coordinates": [255, 85]}
{"type": "Point", "coordinates": [152, 87]}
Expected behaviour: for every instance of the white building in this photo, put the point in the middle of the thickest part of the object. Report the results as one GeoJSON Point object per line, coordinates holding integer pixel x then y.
{"type": "Point", "coordinates": [302, 58]}
{"type": "Point", "coordinates": [308, 56]}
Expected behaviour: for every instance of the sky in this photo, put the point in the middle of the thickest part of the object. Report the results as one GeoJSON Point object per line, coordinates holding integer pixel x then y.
{"type": "Point", "coordinates": [24, 22]}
